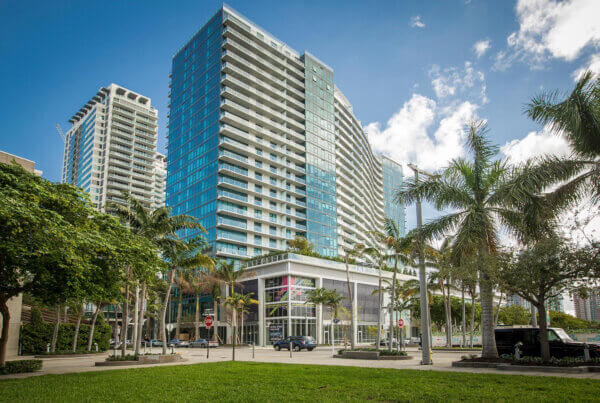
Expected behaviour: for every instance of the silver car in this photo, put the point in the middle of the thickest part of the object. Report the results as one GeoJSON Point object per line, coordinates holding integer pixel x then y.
{"type": "Point", "coordinates": [199, 343]}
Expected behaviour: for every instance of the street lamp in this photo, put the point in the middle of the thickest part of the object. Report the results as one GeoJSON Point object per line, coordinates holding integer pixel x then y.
{"type": "Point", "coordinates": [424, 305]}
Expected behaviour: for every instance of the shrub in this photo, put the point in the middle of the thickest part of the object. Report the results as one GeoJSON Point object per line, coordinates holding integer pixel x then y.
{"type": "Point", "coordinates": [128, 357]}
{"type": "Point", "coordinates": [37, 334]}
{"type": "Point", "coordinates": [381, 352]}
{"type": "Point", "coordinates": [21, 366]}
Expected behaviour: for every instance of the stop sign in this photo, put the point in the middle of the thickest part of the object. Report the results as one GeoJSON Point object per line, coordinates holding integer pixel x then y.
{"type": "Point", "coordinates": [400, 322]}
{"type": "Point", "coordinates": [208, 321]}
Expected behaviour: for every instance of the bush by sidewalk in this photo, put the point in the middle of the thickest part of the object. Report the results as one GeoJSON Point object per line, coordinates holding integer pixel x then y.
{"type": "Point", "coordinates": [20, 366]}
{"type": "Point", "coordinates": [37, 334]}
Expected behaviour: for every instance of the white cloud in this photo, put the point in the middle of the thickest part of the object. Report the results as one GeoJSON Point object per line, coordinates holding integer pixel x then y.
{"type": "Point", "coordinates": [551, 29]}
{"type": "Point", "coordinates": [411, 134]}
{"type": "Point", "coordinates": [535, 144]}
{"type": "Point", "coordinates": [593, 65]}
{"type": "Point", "coordinates": [481, 47]}
{"type": "Point", "coordinates": [453, 81]}
{"type": "Point", "coordinates": [416, 22]}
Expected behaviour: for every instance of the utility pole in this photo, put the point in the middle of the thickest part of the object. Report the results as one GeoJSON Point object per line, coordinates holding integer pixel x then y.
{"type": "Point", "coordinates": [424, 303]}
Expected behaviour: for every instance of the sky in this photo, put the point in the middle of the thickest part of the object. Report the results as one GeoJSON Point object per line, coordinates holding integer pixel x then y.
{"type": "Point", "coordinates": [414, 71]}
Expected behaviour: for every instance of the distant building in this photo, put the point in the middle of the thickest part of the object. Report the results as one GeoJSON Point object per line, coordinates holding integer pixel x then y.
{"type": "Point", "coordinates": [15, 303]}
{"type": "Point", "coordinates": [111, 148]}
{"type": "Point", "coordinates": [588, 308]}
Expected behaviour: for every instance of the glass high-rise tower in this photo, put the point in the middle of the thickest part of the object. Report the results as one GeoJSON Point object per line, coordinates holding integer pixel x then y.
{"type": "Point", "coordinates": [262, 146]}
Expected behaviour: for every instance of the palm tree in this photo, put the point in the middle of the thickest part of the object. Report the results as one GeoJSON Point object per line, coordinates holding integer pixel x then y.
{"type": "Point", "coordinates": [181, 280]}
{"type": "Point", "coordinates": [317, 297]}
{"type": "Point", "coordinates": [214, 289]}
{"type": "Point", "coordinates": [237, 301]}
{"type": "Point", "coordinates": [401, 248]}
{"type": "Point", "coordinates": [181, 256]}
{"type": "Point", "coordinates": [247, 300]}
{"type": "Point", "coordinates": [158, 226]}
{"type": "Point", "coordinates": [333, 299]}
{"type": "Point", "coordinates": [379, 257]}
{"type": "Point", "coordinates": [576, 117]}
{"type": "Point", "coordinates": [351, 254]}
{"type": "Point", "coordinates": [484, 194]}
{"type": "Point", "coordinates": [230, 276]}
{"type": "Point", "coordinates": [440, 259]}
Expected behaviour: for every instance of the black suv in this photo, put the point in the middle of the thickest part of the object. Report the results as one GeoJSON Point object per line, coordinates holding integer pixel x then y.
{"type": "Point", "coordinates": [561, 345]}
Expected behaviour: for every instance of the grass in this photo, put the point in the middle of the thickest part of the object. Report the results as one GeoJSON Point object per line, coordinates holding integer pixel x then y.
{"type": "Point", "coordinates": [249, 381]}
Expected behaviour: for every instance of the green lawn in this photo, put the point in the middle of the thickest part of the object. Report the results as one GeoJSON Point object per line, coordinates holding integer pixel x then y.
{"type": "Point", "coordinates": [245, 381]}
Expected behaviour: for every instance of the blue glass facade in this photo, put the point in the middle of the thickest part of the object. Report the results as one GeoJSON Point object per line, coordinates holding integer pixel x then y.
{"type": "Point", "coordinates": [392, 180]}
{"type": "Point", "coordinates": [194, 127]}
{"type": "Point", "coordinates": [320, 157]}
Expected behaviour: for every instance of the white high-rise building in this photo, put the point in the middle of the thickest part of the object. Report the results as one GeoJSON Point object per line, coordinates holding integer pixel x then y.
{"type": "Point", "coordinates": [111, 149]}
{"type": "Point", "coordinates": [263, 147]}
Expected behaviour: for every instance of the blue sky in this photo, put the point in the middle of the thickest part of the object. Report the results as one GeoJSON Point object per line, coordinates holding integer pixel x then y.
{"type": "Point", "coordinates": [409, 67]}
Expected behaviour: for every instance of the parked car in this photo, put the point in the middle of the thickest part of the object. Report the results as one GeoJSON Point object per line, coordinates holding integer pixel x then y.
{"type": "Point", "coordinates": [178, 343]}
{"type": "Point", "coordinates": [385, 343]}
{"type": "Point", "coordinates": [199, 343]}
{"type": "Point", "coordinates": [561, 344]}
{"type": "Point", "coordinates": [297, 343]}
{"type": "Point", "coordinates": [154, 343]}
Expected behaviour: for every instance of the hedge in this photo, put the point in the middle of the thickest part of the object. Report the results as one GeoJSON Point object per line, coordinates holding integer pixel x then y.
{"type": "Point", "coordinates": [37, 334]}
{"type": "Point", "coordinates": [18, 367]}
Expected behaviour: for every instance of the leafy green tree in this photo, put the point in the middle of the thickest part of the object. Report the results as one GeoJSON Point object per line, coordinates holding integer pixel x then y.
{"type": "Point", "coordinates": [544, 270]}
{"type": "Point", "coordinates": [566, 321]}
{"type": "Point", "coordinates": [319, 298]}
{"type": "Point", "coordinates": [301, 245]}
{"type": "Point", "coordinates": [481, 192]}
{"type": "Point", "coordinates": [43, 232]}
{"type": "Point", "coordinates": [514, 315]}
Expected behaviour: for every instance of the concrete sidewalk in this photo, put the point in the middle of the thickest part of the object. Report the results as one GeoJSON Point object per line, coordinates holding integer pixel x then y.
{"type": "Point", "coordinates": [320, 356]}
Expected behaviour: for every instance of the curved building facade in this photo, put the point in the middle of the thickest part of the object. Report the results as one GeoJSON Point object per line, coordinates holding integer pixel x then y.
{"type": "Point", "coordinates": [263, 147]}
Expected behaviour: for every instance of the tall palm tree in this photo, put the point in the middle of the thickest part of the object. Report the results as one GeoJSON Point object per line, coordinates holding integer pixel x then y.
{"type": "Point", "coordinates": [317, 297]}
{"type": "Point", "coordinates": [237, 301]}
{"type": "Point", "coordinates": [379, 257]}
{"type": "Point", "coordinates": [230, 276]}
{"type": "Point", "coordinates": [401, 248]}
{"type": "Point", "coordinates": [350, 255]}
{"type": "Point", "coordinates": [576, 117]}
{"type": "Point", "coordinates": [484, 193]}
{"type": "Point", "coordinates": [333, 300]}
{"type": "Point", "coordinates": [440, 259]}
{"type": "Point", "coordinates": [181, 280]}
{"type": "Point", "coordinates": [158, 226]}
{"type": "Point", "coordinates": [181, 256]}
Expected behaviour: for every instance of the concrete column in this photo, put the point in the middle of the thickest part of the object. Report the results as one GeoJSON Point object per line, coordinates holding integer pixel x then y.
{"type": "Point", "coordinates": [262, 336]}
{"type": "Point", "coordinates": [319, 317]}
{"type": "Point", "coordinates": [355, 311]}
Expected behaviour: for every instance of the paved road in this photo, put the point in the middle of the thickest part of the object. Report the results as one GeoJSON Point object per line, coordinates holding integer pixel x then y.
{"type": "Point", "coordinates": [320, 356]}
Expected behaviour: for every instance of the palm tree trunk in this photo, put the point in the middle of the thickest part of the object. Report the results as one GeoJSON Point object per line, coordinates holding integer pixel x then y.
{"type": "Point", "coordinates": [242, 327]}
{"type": "Point", "coordinates": [178, 323]}
{"type": "Point", "coordinates": [472, 324]}
{"type": "Point", "coordinates": [216, 319]}
{"type": "Point", "coordinates": [449, 315]}
{"type": "Point", "coordinates": [352, 317]}
{"type": "Point", "coordinates": [379, 312]}
{"type": "Point", "coordinates": [125, 321]}
{"type": "Point", "coordinates": [163, 314]}
{"type": "Point", "coordinates": [392, 304]}
{"type": "Point", "coordinates": [134, 330]}
{"type": "Point", "coordinates": [140, 322]}
{"type": "Point", "coordinates": [55, 332]}
{"type": "Point", "coordinates": [93, 325]}
{"type": "Point", "coordinates": [488, 338]}
{"type": "Point", "coordinates": [197, 317]}
{"type": "Point", "coordinates": [77, 326]}
{"type": "Point", "coordinates": [233, 338]}
{"type": "Point", "coordinates": [464, 318]}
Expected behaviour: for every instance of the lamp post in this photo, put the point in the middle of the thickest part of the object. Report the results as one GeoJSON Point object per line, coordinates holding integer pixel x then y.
{"type": "Point", "coordinates": [424, 303]}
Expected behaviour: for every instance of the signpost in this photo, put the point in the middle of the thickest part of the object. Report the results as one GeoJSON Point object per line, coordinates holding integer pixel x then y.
{"type": "Point", "coordinates": [208, 322]}
{"type": "Point", "coordinates": [400, 322]}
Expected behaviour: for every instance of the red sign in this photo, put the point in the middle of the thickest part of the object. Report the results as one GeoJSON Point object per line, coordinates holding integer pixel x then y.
{"type": "Point", "coordinates": [208, 321]}
{"type": "Point", "coordinates": [400, 322]}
